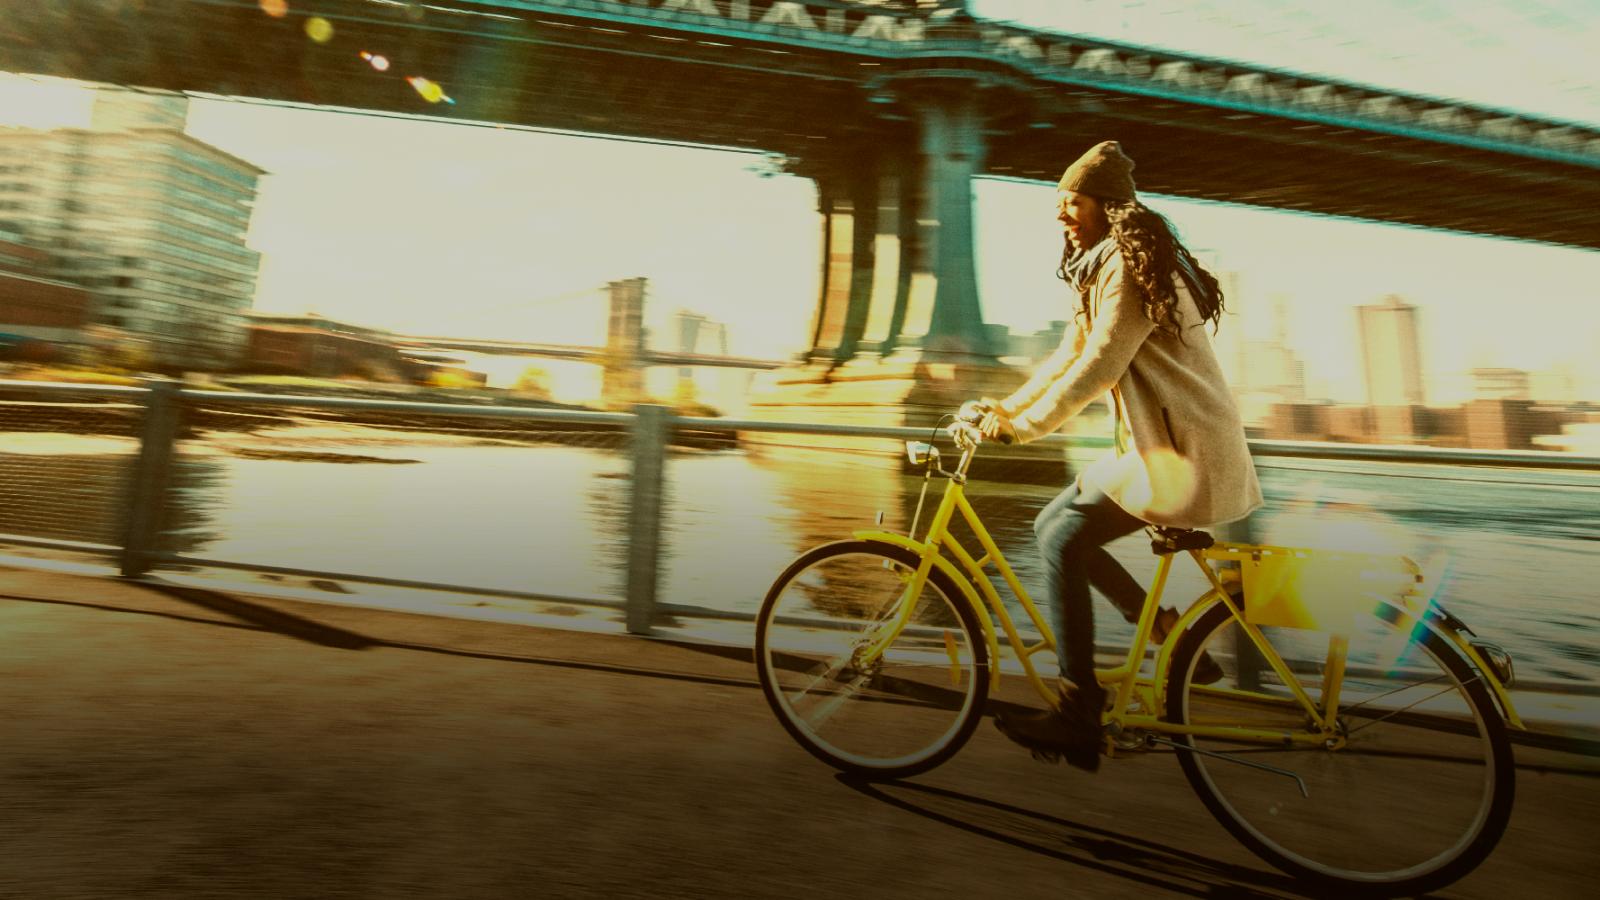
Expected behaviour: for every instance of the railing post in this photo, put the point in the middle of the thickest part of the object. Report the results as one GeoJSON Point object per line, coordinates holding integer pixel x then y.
{"type": "Point", "coordinates": [651, 427]}
{"type": "Point", "coordinates": [150, 477]}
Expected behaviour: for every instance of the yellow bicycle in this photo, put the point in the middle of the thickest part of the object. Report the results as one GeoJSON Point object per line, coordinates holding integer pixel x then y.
{"type": "Point", "coordinates": [1358, 737]}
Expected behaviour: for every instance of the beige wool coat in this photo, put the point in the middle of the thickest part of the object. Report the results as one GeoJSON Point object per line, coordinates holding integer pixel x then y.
{"type": "Point", "coordinates": [1183, 461]}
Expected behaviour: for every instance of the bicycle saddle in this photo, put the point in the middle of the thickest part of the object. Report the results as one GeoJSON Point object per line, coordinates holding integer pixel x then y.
{"type": "Point", "coordinates": [1173, 540]}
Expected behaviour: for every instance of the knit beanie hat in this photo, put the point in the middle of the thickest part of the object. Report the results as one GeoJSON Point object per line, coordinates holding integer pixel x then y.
{"type": "Point", "coordinates": [1105, 172]}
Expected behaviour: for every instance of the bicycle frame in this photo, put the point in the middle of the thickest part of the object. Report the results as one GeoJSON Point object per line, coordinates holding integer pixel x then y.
{"type": "Point", "coordinates": [1124, 681]}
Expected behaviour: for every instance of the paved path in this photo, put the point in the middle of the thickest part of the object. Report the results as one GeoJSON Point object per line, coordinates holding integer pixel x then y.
{"type": "Point", "coordinates": [176, 743]}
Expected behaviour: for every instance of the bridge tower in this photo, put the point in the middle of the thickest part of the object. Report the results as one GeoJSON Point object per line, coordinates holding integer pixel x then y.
{"type": "Point", "coordinates": [622, 379]}
{"type": "Point", "coordinates": [898, 336]}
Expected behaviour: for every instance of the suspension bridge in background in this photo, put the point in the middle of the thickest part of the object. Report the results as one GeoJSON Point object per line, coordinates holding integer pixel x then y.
{"type": "Point", "coordinates": [890, 107]}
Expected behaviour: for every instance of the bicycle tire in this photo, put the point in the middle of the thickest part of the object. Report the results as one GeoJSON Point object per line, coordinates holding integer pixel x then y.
{"type": "Point", "coordinates": [1460, 734]}
{"type": "Point", "coordinates": [898, 720]}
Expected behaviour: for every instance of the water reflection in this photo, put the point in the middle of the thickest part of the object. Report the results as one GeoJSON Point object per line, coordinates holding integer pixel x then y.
{"type": "Point", "coordinates": [864, 587]}
{"type": "Point", "coordinates": [554, 519]}
{"type": "Point", "coordinates": [74, 487]}
{"type": "Point", "coordinates": [70, 497]}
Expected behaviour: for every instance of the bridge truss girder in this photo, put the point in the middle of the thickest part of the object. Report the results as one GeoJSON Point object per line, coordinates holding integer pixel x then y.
{"type": "Point", "coordinates": [575, 72]}
{"type": "Point", "coordinates": [858, 124]}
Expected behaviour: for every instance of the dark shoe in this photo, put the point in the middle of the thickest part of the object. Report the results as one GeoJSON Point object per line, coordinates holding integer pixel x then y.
{"type": "Point", "coordinates": [1206, 670]}
{"type": "Point", "coordinates": [1072, 732]}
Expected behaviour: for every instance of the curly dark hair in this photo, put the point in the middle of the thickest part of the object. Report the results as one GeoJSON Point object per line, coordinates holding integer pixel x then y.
{"type": "Point", "coordinates": [1151, 250]}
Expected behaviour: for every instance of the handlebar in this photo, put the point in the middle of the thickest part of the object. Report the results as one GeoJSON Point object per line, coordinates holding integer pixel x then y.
{"type": "Point", "coordinates": [967, 438]}
{"type": "Point", "coordinates": [971, 415]}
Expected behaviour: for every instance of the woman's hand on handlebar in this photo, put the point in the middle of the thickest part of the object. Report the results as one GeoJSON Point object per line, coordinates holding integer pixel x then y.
{"type": "Point", "coordinates": [982, 419]}
{"type": "Point", "coordinates": [973, 411]}
{"type": "Point", "coordinates": [965, 434]}
{"type": "Point", "coordinates": [996, 426]}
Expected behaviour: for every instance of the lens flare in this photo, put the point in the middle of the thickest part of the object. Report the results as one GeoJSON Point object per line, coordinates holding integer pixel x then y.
{"type": "Point", "coordinates": [1360, 557]}
{"type": "Point", "coordinates": [381, 63]}
{"type": "Point", "coordinates": [319, 29]}
{"type": "Point", "coordinates": [275, 8]}
{"type": "Point", "coordinates": [429, 90]}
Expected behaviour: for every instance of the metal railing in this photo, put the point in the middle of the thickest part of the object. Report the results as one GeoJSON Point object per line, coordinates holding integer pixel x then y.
{"type": "Point", "coordinates": [160, 408]}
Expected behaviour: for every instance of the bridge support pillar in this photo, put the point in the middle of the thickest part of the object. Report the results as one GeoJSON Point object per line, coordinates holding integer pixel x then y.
{"type": "Point", "coordinates": [898, 338]}
{"type": "Point", "coordinates": [847, 202]}
{"type": "Point", "coordinates": [891, 241]}
{"type": "Point", "coordinates": [943, 318]}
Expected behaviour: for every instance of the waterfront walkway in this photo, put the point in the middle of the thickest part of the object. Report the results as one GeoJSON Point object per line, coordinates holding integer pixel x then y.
{"type": "Point", "coordinates": [174, 742]}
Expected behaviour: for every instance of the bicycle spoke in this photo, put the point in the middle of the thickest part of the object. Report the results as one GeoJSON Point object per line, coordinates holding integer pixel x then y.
{"type": "Point", "coordinates": [1404, 687]}
{"type": "Point", "coordinates": [822, 712]}
{"type": "Point", "coordinates": [1415, 803]}
{"type": "Point", "coordinates": [868, 675]}
{"type": "Point", "coordinates": [1233, 758]}
{"type": "Point", "coordinates": [828, 674]}
{"type": "Point", "coordinates": [1402, 709]}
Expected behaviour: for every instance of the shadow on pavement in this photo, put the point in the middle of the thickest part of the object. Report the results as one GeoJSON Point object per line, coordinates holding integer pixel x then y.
{"type": "Point", "coordinates": [1134, 859]}
{"type": "Point", "coordinates": [259, 617]}
{"type": "Point", "coordinates": [265, 617]}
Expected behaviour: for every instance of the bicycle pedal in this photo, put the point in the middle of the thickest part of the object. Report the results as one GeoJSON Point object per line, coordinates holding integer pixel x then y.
{"type": "Point", "coordinates": [1128, 742]}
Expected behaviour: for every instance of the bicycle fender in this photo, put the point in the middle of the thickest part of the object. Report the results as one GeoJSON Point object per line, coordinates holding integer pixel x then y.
{"type": "Point", "coordinates": [1164, 655]}
{"type": "Point", "coordinates": [1444, 626]}
{"type": "Point", "coordinates": [961, 581]}
{"type": "Point", "coordinates": [1439, 624]}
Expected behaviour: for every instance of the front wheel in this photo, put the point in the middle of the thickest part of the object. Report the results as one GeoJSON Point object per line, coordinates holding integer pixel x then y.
{"type": "Point", "coordinates": [852, 691]}
{"type": "Point", "coordinates": [1411, 791]}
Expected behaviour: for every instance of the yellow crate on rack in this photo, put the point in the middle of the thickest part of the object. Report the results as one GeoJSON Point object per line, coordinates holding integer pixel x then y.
{"type": "Point", "coordinates": [1320, 592]}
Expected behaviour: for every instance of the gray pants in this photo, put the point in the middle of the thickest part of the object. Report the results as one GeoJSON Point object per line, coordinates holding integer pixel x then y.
{"type": "Point", "coordinates": [1073, 530]}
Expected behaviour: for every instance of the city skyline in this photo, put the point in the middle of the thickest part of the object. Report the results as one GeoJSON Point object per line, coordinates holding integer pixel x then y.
{"type": "Point", "coordinates": [371, 219]}
{"type": "Point", "coordinates": [374, 219]}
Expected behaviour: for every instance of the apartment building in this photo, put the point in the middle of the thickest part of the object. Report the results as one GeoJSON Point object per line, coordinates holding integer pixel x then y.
{"type": "Point", "coordinates": [151, 221]}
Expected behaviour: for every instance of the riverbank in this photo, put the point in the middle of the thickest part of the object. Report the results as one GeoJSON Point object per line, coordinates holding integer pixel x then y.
{"type": "Point", "coordinates": [25, 409]}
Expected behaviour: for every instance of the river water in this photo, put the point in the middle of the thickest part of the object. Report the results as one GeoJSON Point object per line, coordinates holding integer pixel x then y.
{"type": "Point", "coordinates": [1518, 547]}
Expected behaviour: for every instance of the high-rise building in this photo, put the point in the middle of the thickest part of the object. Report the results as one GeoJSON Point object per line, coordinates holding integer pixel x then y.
{"type": "Point", "coordinates": [1490, 383]}
{"type": "Point", "coordinates": [150, 220]}
{"type": "Point", "coordinates": [1254, 352]}
{"type": "Point", "coordinates": [1271, 367]}
{"type": "Point", "coordinates": [1391, 355]}
{"type": "Point", "coordinates": [699, 334]}
{"type": "Point", "coordinates": [1560, 384]}
{"type": "Point", "coordinates": [1229, 340]}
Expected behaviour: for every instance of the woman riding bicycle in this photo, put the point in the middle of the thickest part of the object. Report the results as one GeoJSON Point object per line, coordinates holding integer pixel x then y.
{"type": "Point", "coordinates": [1180, 458]}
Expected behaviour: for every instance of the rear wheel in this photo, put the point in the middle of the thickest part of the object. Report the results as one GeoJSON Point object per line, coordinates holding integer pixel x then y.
{"type": "Point", "coordinates": [888, 714]}
{"type": "Point", "coordinates": [1410, 794]}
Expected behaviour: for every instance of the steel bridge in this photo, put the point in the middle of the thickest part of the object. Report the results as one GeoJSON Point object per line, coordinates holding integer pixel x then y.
{"type": "Point", "coordinates": [892, 106]}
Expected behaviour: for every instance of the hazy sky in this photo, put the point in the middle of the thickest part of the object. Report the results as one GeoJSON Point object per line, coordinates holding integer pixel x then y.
{"type": "Point", "coordinates": [447, 229]}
